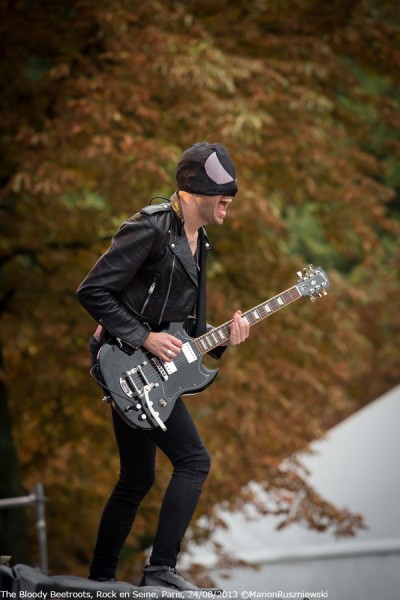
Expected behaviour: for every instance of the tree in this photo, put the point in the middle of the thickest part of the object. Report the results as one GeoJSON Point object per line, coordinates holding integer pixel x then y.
{"type": "Point", "coordinates": [99, 102]}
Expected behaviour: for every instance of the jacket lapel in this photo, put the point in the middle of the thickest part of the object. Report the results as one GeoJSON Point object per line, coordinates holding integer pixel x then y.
{"type": "Point", "coordinates": [181, 249]}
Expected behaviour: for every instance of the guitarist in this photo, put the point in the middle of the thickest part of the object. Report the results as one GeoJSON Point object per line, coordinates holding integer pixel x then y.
{"type": "Point", "coordinates": [153, 274]}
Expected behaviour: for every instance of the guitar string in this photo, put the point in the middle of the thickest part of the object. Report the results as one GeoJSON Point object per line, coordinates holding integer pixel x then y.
{"type": "Point", "coordinates": [273, 304]}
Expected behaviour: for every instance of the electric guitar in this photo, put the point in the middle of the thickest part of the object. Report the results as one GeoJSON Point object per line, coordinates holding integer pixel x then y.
{"type": "Point", "coordinates": [143, 389]}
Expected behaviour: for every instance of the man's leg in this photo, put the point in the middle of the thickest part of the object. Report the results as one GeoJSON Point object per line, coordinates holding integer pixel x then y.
{"type": "Point", "coordinates": [191, 461]}
{"type": "Point", "coordinates": [137, 460]}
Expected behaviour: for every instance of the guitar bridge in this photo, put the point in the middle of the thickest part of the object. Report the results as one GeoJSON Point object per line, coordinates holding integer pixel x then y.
{"type": "Point", "coordinates": [159, 367]}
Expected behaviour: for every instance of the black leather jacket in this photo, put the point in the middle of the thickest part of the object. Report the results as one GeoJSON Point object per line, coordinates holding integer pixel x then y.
{"type": "Point", "coordinates": [147, 278]}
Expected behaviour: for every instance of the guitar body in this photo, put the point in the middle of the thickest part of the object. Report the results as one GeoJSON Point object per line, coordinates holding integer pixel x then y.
{"type": "Point", "coordinates": [142, 386]}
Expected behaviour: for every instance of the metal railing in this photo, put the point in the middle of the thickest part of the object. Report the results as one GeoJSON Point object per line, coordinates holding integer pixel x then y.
{"type": "Point", "coordinates": [37, 498]}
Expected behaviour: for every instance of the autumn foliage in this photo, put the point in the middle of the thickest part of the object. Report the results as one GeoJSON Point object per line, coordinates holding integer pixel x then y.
{"type": "Point", "coordinates": [98, 101]}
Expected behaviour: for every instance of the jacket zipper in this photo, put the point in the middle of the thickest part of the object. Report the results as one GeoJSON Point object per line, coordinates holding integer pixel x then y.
{"type": "Point", "coordinates": [168, 291]}
{"type": "Point", "coordinates": [120, 342]}
{"type": "Point", "coordinates": [150, 291]}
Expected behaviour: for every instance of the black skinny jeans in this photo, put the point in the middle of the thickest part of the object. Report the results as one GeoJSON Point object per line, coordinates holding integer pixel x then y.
{"type": "Point", "coordinates": [185, 449]}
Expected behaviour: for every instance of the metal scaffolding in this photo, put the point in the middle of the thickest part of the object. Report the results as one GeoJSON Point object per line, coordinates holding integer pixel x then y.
{"type": "Point", "coordinates": [37, 498]}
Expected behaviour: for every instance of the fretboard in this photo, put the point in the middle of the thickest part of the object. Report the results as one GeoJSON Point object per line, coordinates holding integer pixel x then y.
{"type": "Point", "coordinates": [220, 335]}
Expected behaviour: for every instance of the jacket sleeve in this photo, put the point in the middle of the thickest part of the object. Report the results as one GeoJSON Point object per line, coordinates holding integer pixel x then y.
{"type": "Point", "coordinates": [100, 290]}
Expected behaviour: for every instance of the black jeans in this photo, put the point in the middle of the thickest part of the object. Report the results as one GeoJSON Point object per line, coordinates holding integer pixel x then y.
{"type": "Point", "coordinates": [185, 449]}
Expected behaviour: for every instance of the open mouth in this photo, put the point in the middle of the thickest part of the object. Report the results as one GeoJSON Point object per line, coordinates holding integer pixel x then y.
{"type": "Point", "coordinates": [222, 207]}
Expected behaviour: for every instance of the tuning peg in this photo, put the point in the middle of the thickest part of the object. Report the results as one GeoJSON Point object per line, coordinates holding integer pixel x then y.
{"type": "Point", "coordinates": [312, 298]}
{"type": "Point", "coordinates": [299, 274]}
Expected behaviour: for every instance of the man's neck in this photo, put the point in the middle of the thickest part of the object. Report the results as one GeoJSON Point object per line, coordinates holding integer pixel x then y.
{"type": "Point", "coordinates": [190, 214]}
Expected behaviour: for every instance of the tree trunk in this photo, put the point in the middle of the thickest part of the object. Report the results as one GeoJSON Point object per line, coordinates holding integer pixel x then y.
{"type": "Point", "coordinates": [13, 522]}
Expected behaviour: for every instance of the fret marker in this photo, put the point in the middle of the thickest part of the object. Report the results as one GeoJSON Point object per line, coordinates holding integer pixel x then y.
{"type": "Point", "coordinates": [256, 315]}
{"type": "Point", "coordinates": [280, 301]}
{"type": "Point", "coordinates": [267, 307]}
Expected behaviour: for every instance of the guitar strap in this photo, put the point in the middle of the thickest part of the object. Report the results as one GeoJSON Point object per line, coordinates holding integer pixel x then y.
{"type": "Point", "coordinates": [201, 326]}
{"type": "Point", "coordinates": [201, 298]}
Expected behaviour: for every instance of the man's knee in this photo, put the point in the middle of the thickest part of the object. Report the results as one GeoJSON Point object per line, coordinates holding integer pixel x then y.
{"type": "Point", "coordinates": [206, 462]}
{"type": "Point", "coordinates": [135, 487]}
{"type": "Point", "coordinates": [148, 482]}
{"type": "Point", "coordinates": [196, 464]}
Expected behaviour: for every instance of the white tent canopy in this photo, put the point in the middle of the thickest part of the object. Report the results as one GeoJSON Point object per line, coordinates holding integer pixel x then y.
{"type": "Point", "coordinates": [354, 466]}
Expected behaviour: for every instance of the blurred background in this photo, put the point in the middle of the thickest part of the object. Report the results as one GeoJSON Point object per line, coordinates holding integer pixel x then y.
{"type": "Point", "coordinates": [98, 101]}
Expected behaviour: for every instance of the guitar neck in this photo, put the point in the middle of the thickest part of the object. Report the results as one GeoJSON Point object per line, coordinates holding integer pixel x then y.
{"type": "Point", "coordinates": [220, 335]}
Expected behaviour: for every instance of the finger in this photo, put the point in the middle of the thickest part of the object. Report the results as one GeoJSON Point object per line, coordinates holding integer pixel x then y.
{"type": "Point", "coordinates": [240, 328]}
{"type": "Point", "coordinates": [244, 327]}
{"type": "Point", "coordinates": [235, 331]}
{"type": "Point", "coordinates": [241, 331]}
{"type": "Point", "coordinates": [168, 355]}
{"type": "Point", "coordinates": [171, 351]}
{"type": "Point", "coordinates": [174, 343]}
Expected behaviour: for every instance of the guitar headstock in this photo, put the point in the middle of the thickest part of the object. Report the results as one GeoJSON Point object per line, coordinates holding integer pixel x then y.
{"type": "Point", "coordinates": [313, 282]}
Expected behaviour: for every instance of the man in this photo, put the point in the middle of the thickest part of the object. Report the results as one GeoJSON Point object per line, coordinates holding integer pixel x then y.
{"type": "Point", "coordinates": [153, 274]}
